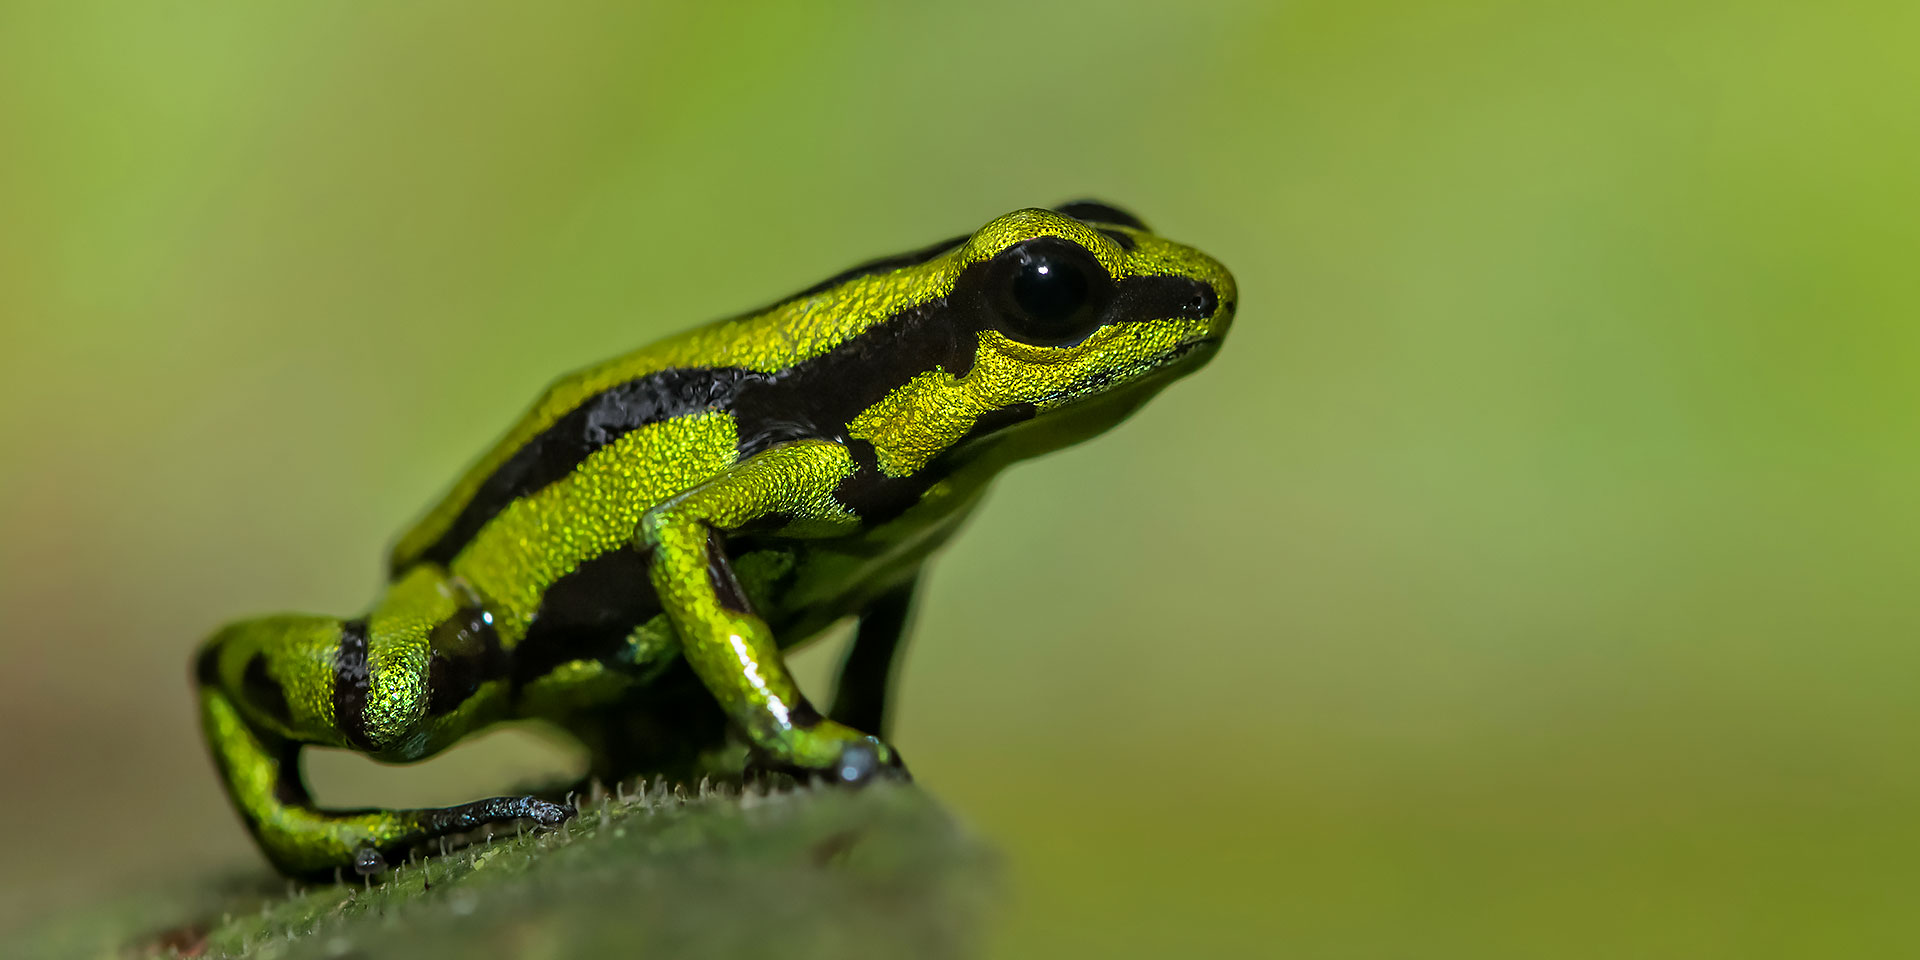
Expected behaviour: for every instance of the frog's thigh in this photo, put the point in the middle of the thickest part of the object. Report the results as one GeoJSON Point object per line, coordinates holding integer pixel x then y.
{"type": "Point", "coordinates": [256, 734]}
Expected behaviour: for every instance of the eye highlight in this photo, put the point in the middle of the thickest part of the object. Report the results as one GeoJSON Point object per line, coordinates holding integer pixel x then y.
{"type": "Point", "coordinates": [1049, 291]}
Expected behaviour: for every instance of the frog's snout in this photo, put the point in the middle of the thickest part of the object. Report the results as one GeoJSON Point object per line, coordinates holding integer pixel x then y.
{"type": "Point", "coordinates": [1226, 297]}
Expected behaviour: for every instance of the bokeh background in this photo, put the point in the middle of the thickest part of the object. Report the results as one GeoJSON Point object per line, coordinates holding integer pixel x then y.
{"type": "Point", "coordinates": [1534, 574]}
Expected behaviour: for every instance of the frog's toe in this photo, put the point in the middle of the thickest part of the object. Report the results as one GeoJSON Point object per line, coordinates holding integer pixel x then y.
{"type": "Point", "coordinates": [543, 812]}
{"type": "Point", "coordinates": [864, 762]}
{"type": "Point", "coordinates": [857, 764]}
{"type": "Point", "coordinates": [368, 862]}
{"type": "Point", "coordinates": [546, 813]}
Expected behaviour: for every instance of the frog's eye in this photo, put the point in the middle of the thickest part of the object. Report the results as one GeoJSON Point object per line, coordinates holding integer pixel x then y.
{"type": "Point", "coordinates": [1048, 291]}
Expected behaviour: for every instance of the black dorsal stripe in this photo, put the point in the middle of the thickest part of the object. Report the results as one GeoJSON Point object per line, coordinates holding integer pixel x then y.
{"type": "Point", "coordinates": [816, 397]}
{"type": "Point", "coordinates": [558, 450]}
{"type": "Point", "coordinates": [351, 680]}
{"type": "Point", "coordinates": [607, 416]}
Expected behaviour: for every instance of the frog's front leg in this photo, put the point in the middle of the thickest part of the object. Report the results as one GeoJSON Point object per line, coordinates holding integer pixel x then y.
{"type": "Point", "coordinates": [861, 695]}
{"type": "Point", "coordinates": [726, 643]}
{"type": "Point", "coordinates": [268, 687]}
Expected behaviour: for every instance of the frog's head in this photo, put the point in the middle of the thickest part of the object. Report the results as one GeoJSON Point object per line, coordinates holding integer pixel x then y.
{"type": "Point", "coordinates": [1063, 321]}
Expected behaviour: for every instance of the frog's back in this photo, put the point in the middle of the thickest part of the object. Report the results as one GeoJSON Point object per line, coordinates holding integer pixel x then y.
{"type": "Point", "coordinates": [572, 417]}
{"type": "Point", "coordinates": [570, 479]}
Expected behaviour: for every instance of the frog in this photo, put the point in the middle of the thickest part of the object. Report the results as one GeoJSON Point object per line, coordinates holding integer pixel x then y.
{"type": "Point", "coordinates": [632, 562]}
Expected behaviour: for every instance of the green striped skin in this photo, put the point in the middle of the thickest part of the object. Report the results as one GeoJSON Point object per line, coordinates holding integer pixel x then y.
{"type": "Point", "coordinates": [632, 557]}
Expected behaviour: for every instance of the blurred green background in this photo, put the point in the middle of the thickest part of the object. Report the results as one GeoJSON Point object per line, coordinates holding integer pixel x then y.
{"type": "Point", "coordinates": [1534, 574]}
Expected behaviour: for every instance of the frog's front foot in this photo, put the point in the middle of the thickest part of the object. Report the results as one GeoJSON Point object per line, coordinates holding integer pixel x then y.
{"type": "Point", "coordinates": [861, 762]}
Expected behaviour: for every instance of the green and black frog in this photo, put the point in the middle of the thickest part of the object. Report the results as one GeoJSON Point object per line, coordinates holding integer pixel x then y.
{"type": "Point", "coordinates": [631, 560]}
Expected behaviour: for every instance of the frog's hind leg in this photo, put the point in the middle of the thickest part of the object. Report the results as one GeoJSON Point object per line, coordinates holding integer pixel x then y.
{"type": "Point", "coordinates": [268, 687]}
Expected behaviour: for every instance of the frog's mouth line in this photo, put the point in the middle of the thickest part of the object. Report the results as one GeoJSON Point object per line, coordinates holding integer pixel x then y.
{"type": "Point", "coordinates": [1173, 362]}
{"type": "Point", "coordinates": [1103, 408]}
{"type": "Point", "coordinates": [1211, 342]}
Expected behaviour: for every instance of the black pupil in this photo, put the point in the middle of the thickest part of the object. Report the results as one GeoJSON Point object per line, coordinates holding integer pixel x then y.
{"type": "Point", "coordinates": [1050, 291]}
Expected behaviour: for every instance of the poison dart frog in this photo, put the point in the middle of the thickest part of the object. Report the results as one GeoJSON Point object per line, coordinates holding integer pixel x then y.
{"type": "Point", "coordinates": [633, 558]}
